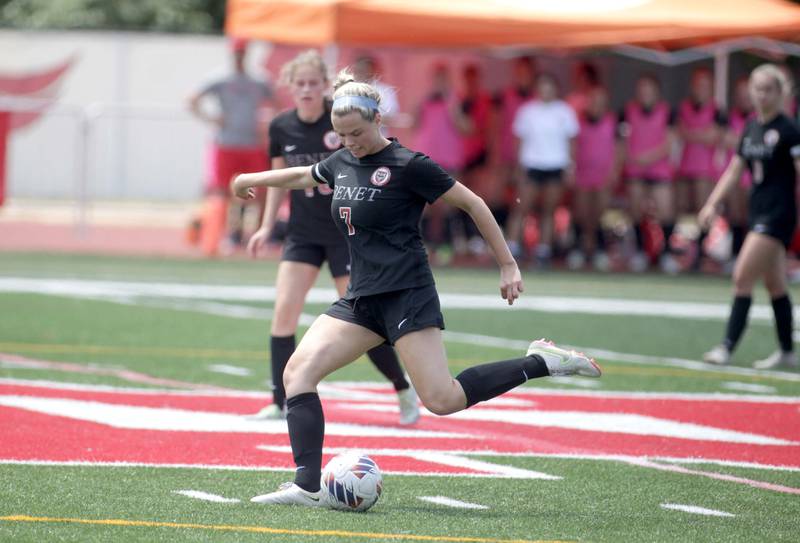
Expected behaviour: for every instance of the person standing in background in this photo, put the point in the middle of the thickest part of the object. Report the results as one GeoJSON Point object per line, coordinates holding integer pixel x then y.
{"type": "Point", "coordinates": [546, 128]}
{"type": "Point", "coordinates": [366, 70]}
{"type": "Point", "coordinates": [700, 126]}
{"type": "Point", "coordinates": [242, 112]}
{"type": "Point", "coordinates": [647, 124]}
{"type": "Point", "coordinates": [598, 160]}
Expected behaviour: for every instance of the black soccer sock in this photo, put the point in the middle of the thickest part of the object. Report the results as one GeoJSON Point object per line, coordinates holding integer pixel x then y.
{"type": "Point", "coordinates": [281, 348]}
{"type": "Point", "coordinates": [782, 308]}
{"type": "Point", "coordinates": [737, 321]}
{"type": "Point", "coordinates": [701, 239]}
{"type": "Point", "coordinates": [484, 382]}
{"type": "Point", "coordinates": [385, 359]}
{"type": "Point", "coordinates": [637, 231]}
{"type": "Point", "coordinates": [306, 432]}
{"type": "Point", "coordinates": [577, 230]}
{"type": "Point", "coordinates": [737, 239]}
{"type": "Point", "coordinates": [601, 239]}
{"type": "Point", "coordinates": [667, 229]}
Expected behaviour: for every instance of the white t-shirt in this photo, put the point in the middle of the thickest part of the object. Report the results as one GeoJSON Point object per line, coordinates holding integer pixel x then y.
{"type": "Point", "coordinates": [544, 130]}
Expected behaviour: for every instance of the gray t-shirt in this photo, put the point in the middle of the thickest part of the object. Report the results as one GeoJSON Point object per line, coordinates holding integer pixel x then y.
{"type": "Point", "coordinates": [240, 97]}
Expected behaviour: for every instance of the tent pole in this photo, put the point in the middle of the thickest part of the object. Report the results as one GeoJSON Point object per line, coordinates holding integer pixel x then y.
{"type": "Point", "coordinates": [721, 69]}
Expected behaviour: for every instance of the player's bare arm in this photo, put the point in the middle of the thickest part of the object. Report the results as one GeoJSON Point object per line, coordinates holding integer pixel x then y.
{"type": "Point", "coordinates": [510, 277]}
{"type": "Point", "coordinates": [289, 178]}
{"type": "Point", "coordinates": [727, 181]}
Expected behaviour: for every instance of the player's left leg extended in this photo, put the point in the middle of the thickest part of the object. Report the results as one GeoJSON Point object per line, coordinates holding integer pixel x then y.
{"type": "Point", "coordinates": [775, 281]}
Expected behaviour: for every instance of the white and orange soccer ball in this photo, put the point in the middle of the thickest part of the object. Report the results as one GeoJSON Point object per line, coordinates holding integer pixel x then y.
{"type": "Point", "coordinates": [351, 482]}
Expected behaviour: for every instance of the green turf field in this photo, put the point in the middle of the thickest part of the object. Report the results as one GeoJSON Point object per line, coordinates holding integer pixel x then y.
{"type": "Point", "coordinates": [187, 340]}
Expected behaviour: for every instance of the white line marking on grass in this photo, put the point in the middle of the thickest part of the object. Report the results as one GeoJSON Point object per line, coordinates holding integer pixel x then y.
{"type": "Point", "coordinates": [444, 458]}
{"type": "Point", "coordinates": [205, 496]}
{"type": "Point", "coordinates": [696, 510]}
{"type": "Point", "coordinates": [450, 502]}
{"type": "Point", "coordinates": [122, 292]}
{"type": "Point", "coordinates": [645, 463]}
{"type": "Point", "coordinates": [749, 387]}
{"type": "Point", "coordinates": [579, 382]}
{"type": "Point", "coordinates": [226, 369]}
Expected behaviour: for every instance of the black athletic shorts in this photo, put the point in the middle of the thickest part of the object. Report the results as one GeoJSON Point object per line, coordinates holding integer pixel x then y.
{"type": "Point", "coordinates": [392, 315]}
{"type": "Point", "coordinates": [544, 177]}
{"type": "Point", "coordinates": [338, 256]}
{"type": "Point", "coordinates": [783, 231]}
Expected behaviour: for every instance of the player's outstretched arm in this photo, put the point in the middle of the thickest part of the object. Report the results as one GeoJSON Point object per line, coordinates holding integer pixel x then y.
{"type": "Point", "coordinates": [289, 178]}
{"type": "Point", "coordinates": [510, 276]}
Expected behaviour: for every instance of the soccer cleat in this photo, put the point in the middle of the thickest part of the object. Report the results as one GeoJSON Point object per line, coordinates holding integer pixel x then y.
{"type": "Point", "coordinates": [778, 359]}
{"type": "Point", "coordinates": [561, 362]}
{"type": "Point", "coordinates": [669, 264]}
{"type": "Point", "coordinates": [270, 412]}
{"type": "Point", "coordinates": [719, 355]}
{"type": "Point", "coordinates": [409, 405]}
{"type": "Point", "coordinates": [638, 262]}
{"type": "Point", "coordinates": [576, 260]}
{"type": "Point", "coordinates": [291, 494]}
{"type": "Point", "coordinates": [601, 262]}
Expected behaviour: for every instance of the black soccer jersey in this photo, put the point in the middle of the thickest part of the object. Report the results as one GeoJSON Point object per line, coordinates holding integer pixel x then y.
{"type": "Point", "coordinates": [303, 144]}
{"type": "Point", "coordinates": [377, 204]}
{"type": "Point", "coordinates": [769, 150]}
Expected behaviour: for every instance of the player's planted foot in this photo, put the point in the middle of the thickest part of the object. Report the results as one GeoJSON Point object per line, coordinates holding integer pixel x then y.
{"type": "Point", "coordinates": [561, 362]}
{"type": "Point", "coordinates": [291, 494]}
{"type": "Point", "coordinates": [270, 412]}
{"type": "Point", "coordinates": [778, 359]}
{"type": "Point", "coordinates": [409, 406]}
{"type": "Point", "coordinates": [719, 355]}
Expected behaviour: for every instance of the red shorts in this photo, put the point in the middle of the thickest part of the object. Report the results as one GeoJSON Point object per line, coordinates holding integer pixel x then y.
{"type": "Point", "coordinates": [226, 162]}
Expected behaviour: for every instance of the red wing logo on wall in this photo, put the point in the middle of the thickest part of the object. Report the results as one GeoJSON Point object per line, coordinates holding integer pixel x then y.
{"type": "Point", "coordinates": [41, 85]}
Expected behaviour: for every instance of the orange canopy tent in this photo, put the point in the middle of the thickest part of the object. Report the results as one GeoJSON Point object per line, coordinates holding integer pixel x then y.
{"type": "Point", "coordinates": [518, 23]}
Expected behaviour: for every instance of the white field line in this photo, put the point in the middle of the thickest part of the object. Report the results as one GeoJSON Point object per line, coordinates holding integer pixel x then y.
{"type": "Point", "coordinates": [696, 510]}
{"type": "Point", "coordinates": [205, 496]}
{"type": "Point", "coordinates": [193, 296]}
{"type": "Point", "coordinates": [450, 502]}
{"type": "Point", "coordinates": [227, 369]}
{"type": "Point", "coordinates": [749, 387]}
{"type": "Point", "coordinates": [549, 304]}
{"type": "Point", "coordinates": [481, 340]}
{"type": "Point", "coordinates": [444, 458]}
{"type": "Point", "coordinates": [533, 392]}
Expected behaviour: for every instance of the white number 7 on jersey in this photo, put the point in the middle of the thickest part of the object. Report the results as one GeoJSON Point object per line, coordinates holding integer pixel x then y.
{"type": "Point", "coordinates": [345, 213]}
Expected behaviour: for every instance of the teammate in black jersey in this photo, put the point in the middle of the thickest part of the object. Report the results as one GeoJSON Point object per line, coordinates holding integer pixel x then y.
{"type": "Point", "coordinates": [770, 148]}
{"type": "Point", "coordinates": [302, 137]}
{"type": "Point", "coordinates": [379, 191]}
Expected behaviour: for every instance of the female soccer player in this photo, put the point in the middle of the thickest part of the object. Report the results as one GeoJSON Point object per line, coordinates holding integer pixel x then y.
{"type": "Point", "coordinates": [301, 137]}
{"type": "Point", "coordinates": [647, 126]}
{"type": "Point", "coordinates": [770, 148]}
{"type": "Point", "coordinates": [379, 191]}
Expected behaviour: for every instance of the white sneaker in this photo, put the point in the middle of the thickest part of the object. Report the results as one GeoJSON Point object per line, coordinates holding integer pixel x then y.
{"type": "Point", "coordinates": [601, 262]}
{"type": "Point", "coordinates": [561, 362]}
{"type": "Point", "coordinates": [669, 264]}
{"type": "Point", "coordinates": [778, 359]}
{"type": "Point", "coordinates": [291, 494]}
{"type": "Point", "coordinates": [270, 412]}
{"type": "Point", "coordinates": [638, 262]}
{"type": "Point", "coordinates": [719, 355]}
{"type": "Point", "coordinates": [409, 405]}
{"type": "Point", "coordinates": [575, 260]}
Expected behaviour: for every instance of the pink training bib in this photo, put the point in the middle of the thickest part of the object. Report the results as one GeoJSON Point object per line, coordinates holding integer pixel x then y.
{"type": "Point", "coordinates": [737, 120]}
{"type": "Point", "coordinates": [438, 136]}
{"type": "Point", "coordinates": [647, 131]}
{"type": "Point", "coordinates": [512, 100]}
{"type": "Point", "coordinates": [697, 158]}
{"type": "Point", "coordinates": [594, 153]}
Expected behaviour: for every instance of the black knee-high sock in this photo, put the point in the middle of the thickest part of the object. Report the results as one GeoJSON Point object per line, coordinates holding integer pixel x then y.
{"type": "Point", "coordinates": [737, 321]}
{"type": "Point", "coordinates": [601, 239]}
{"type": "Point", "coordinates": [484, 382]}
{"type": "Point", "coordinates": [637, 231]}
{"type": "Point", "coordinates": [385, 359]}
{"type": "Point", "coordinates": [668, 229]}
{"type": "Point", "coordinates": [737, 239]}
{"type": "Point", "coordinates": [306, 432]}
{"type": "Point", "coordinates": [577, 230]}
{"type": "Point", "coordinates": [782, 308]}
{"type": "Point", "coordinates": [281, 348]}
{"type": "Point", "coordinates": [701, 239]}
